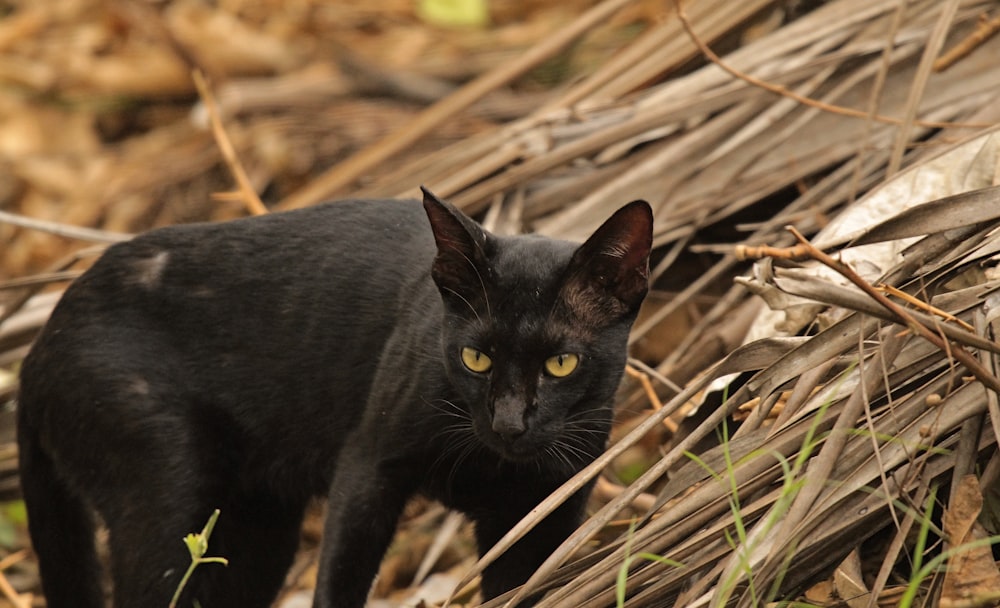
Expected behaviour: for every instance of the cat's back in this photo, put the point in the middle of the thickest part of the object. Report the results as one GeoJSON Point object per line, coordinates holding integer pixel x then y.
{"type": "Point", "coordinates": [372, 234]}
{"type": "Point", "coordinates": [268, 295]}
{"type": "Point", "coordinates": [353, 249]}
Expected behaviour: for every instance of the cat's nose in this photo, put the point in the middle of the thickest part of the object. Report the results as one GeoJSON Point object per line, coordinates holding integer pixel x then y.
{"type": "Point", "coordinates": [509, 428]}
{"type": "Point", "coordinates": [510, 437]}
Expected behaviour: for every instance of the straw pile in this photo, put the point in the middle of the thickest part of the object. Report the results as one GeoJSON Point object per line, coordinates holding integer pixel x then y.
{"type": "Point", "coordinates": [791, 429]}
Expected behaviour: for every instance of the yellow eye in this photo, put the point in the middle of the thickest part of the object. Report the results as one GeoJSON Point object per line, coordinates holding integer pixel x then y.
{"type": "Point", "coordinates": [477, 361]}
{"type": "Point", "coordinates": [561, 366]}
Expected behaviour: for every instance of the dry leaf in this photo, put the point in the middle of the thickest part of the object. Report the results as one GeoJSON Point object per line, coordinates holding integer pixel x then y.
{"type": "Point", "coordinates": [972, 578]}
{"type": "Point", "coordinates": [849, 583]}
{"type": "Point", "coordinates": [821, 593]}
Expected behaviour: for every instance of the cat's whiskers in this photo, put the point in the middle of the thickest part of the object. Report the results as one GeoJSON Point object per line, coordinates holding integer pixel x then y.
{"type": "Point", "coordinates": [469, 446]}
{"type": "Point", "coordinates": [465, 442]}
{"type": "Point", "coordinates": [566, 452]}
{"type": "Point", "coordinates": [568, 449]}
{"type": "Point", "coordinates": [581, 415]}
{"type": "Point", "coordinates": [462, 428]}
{"type": "Point", "coordinates": [451, 410]}
{"type": "Point", "coordinates": [553, 451]}
{"type": "Point", "coordinates": [482, 283]}
{"type": "Point", "coordinates": [467, 303]}
{"type": "Point", "coordinates": [582, 437]}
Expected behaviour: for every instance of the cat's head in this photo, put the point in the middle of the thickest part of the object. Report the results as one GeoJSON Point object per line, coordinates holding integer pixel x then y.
{"type": "Point", "coordinates": [536, 329]}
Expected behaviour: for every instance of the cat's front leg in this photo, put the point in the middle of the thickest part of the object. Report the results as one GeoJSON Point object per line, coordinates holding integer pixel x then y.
{"type": "Point", "coordinates": [518, 563]}
{"type": "Point", "coordinates": [366, 499]}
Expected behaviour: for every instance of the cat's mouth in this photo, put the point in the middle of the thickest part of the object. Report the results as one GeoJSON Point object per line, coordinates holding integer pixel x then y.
{"type": "Point", "coordinates": [518, 449]}
{"type": "Point", "coordinates": [520, 453]}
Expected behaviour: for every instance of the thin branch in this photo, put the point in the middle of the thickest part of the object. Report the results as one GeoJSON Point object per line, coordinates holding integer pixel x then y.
{"type": "Point", "coordinates": [875, 97]}
{"type": "Point", "coordinates": [985, 30]}
{"type": "Point", "coordinates": [654, 400]}
{"type": "Point", "coordinates": [919, 85]}
{"type": "Point", "coordinates": [807, 101]}
{"type": "Point", "coordinates": [13, 558]}
{"type": "Point", "coordinates": [6, 588]}
{"type": "Point", "coordinates": [249, 196]}
{"type": "Point", "coordinates": [40, 279]}
{"type": "Point", "coordinates": [901, 314]}
{"type": "Point", "coordinates": [749, 252]}
{"type": "Point", "coordinates": [66, 230]}
{"type": "Point", "coordinates": [924, 306]}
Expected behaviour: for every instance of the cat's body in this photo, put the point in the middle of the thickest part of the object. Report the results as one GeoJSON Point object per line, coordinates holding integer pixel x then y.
{"type": "Point", "coordinates": [252, 365]}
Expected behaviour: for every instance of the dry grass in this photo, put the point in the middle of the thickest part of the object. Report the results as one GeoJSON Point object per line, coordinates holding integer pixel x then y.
{"type": "Point", "coordinates": [847, 402]}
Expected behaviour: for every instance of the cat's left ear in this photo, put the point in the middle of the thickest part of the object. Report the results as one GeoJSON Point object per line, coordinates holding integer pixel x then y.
{"type": "Point", "coordinates": [609, 273]}
{"type": "Point", "coordinates": [461, 245]}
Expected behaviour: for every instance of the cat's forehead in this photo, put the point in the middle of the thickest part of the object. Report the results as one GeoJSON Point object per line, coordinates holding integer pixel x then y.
{"type": "Point", "coordinates": [529, 260]}
{"type": "Point", "coordinates": [526, 277]}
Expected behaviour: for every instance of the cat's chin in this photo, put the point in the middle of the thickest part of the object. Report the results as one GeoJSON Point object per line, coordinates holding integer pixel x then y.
{"type": "Point", "coordinates": [515, 454]}
{"type": "Point", "coordinates": [517, 451]}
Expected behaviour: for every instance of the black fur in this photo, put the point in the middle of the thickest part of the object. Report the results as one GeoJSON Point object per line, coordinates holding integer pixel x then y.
{"type": "Point", "coordinates": [251, 365]}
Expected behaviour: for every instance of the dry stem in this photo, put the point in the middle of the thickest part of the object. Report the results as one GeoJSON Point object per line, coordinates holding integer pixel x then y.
{"type": "Point", "coordinates": [654, 400]}
{"type": "Point", "coordinates": [985, 29]}
{"type": "Point", "coordinates": [248, 195]}
{"type": "Point", "coordinates": [901, 314]}
{"type": "Point", "coordinates": [889, 289]}
{"type": "Point", "coordinates": [748, 252]}
{"type": "Point", "coordinates": [18, 600]}
{"type": "Point", "coordinates": [806, 101]}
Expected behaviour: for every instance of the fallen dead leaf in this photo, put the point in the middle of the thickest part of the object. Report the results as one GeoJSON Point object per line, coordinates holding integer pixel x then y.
{"type": "Point", "coordinates": [972, 578]}
{"type": "Point", "coordinates": [849, 583]}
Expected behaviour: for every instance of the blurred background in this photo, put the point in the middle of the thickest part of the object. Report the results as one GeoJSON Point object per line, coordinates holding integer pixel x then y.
{"type": "Point", "coordinates": [101, 125]}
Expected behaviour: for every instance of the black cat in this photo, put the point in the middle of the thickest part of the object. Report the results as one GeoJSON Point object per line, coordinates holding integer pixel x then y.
{"type": "Point", "coordinates": [345, 350]}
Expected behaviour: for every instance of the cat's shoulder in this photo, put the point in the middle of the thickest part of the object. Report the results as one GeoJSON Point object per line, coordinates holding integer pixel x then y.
{"type": "Point", "coordinates": [332, 216]}
{"type": "Point", "coordinates": [350, 221]}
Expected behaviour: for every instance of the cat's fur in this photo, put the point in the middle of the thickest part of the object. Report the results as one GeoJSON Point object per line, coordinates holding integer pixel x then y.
{"type": "Point", "coordinates": [254, 364]}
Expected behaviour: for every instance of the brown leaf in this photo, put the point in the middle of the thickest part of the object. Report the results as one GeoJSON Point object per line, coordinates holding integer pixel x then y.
{"type": "Point", "coordinates": [972, 578]}
{"type": "Point", "coordinates": [849, 583]}
{"type": "Point", "coordinates": [821, 593]}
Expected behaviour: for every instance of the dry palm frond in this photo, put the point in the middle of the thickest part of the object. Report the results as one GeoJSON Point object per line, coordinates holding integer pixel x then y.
{"type": "Point", "coordinates": [781, 502]}
{"type": "Point", "coordinates": [734, 122]}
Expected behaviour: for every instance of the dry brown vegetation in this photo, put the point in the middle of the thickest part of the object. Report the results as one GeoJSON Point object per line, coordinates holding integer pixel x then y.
{"type": "Point", "coordinates": [791, 429]}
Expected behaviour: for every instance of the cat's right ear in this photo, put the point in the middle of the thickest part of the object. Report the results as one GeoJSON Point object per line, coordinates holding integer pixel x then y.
{"type": "Point", "coordinates": [461, 249]}
{"type": "Point", "coordinates": [608, 275]}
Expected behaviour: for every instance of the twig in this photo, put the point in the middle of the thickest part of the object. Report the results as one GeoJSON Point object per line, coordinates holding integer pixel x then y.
{"type": "Point", "coordinates": [5, 587]}
{"type": "Point", "coordinates": [11, 594]}
{"type": "Point", "coordinates": [655, 375]}
{"type": "Point", "coordinates": [807, 101]}
{"type": "Point", "coordinates": [748, 252]}
{"type": "Point", "coordinates": [875, 98]}
{"type": "Point", "coordinates": [446, 531]}
{"type": "Point", "coordinates": [13, 558]}
{"type": "Point", "coordinates": [917, 302]}
{"type": "Point", "coordinates": [901, 314]}
{"type": "Point", "coordinates": [985, 30]}
{"type": "Point", "coordinates": [249, 196]}
{"type": "Point", "coordinates": [66, 230]}
{"type": "Point", "coordinates": [654, 400]}
{"type": "Point", "coordinates": [40, 279]}
{"type": "Point", "coordinates": [606, 490]}
{"type": "Point", "coordinates": [919, 85]}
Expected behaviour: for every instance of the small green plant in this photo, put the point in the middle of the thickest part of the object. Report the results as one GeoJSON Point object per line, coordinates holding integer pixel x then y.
{"type": "Point", "coordinates": [620, 582]}
{"type": "Point", "coordinates": [792, 481]}
{"type": "Point", "coordinates": [197, 544]}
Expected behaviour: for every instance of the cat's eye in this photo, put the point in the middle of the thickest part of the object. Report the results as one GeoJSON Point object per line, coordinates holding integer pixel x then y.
{"type": "Point", "coordinates": [561, 366]}
{"type": "Point", "coordinates": [476, 360]}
